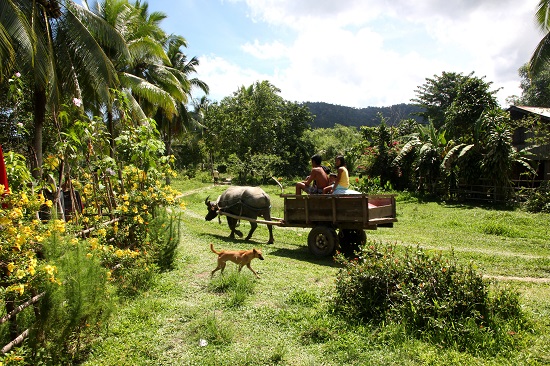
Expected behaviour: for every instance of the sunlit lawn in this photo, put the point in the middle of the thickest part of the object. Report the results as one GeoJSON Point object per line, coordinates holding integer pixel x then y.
{"type": "Point", "coordinates": [187, 318]}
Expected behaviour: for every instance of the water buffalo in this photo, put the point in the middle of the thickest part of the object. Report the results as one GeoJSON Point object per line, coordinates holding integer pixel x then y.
{"type": "Point", "coordinates": [249, 202]}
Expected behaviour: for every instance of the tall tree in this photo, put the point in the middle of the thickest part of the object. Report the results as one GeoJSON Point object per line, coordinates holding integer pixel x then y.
{"type": "Point", "coordinates": [64, 58]}
{"type": "Point", "coordinates": [436, 96]}
{"type": "Point", "coordinates": [454, 102]}
{"type": "Point", "coordinates": [535, 88]}
{"type": "Point", "coordinates": [256, 121]}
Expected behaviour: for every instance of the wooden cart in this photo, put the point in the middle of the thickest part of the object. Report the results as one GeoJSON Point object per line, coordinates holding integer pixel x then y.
{"type": "Point", "coordinates": [350, 214]}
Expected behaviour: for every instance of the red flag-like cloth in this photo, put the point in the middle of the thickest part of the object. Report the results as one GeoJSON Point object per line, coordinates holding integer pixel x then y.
{"type": "Point", "coordinates": [3, 173]}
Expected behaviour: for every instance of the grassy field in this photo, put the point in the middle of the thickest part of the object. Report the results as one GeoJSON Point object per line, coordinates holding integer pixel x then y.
{"type": "Point", "coordinates": [187, 318]}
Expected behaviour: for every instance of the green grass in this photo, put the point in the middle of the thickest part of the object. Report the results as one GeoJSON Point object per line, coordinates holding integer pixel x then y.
{"type": "Point", "coordinates": [283, 318]}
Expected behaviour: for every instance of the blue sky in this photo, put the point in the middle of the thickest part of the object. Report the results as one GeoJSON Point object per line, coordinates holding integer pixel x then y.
{"type": "Point", "coordinates": [356, 53]}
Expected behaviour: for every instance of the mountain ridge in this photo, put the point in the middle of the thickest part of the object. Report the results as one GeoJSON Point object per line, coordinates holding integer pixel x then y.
{"type": "Point", "coordinates": [327, 115]}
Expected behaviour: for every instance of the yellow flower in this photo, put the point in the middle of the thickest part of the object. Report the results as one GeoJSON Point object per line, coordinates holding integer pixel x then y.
{"type": "Point", "coordinates": [109, 274]}
{"type": "Point", "coordinates": [49, 203]}
{"type": "Point", "coordinates": [24, 199]}
{"type": "Point", "coordinates": [16, 213]}
{"type": "Point", "coordinates": [89, 255]}
{"type": "Point", "coordinates": [32, 271]}
{"type": "Point", "coordinates": [11, 267]}
{"type": "Point", "coordinates": [74, 241]}
{"type": "Point", "coordinates": [17, 288]}
{"type": "Point", "coordinates": [94, 243]}
{"type": "Point", "coordinates": [59, 225]}
{"type": "Point", "coordinates": [119, 253]}
{"type": "Point", "coordinates": [20, 273]}
{"type": "Point", "coordinates": [49, 269]}
{"type": "Point", "coordinates": [4, 220]}
{"type": "Point", "coordinates": [2, 189]}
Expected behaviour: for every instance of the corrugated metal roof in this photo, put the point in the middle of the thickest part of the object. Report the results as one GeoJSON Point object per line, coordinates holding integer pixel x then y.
{"type": "Point", "coordinates": [545, 112]}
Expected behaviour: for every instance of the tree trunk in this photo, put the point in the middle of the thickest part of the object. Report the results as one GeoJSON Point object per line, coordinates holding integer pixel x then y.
{"type": "Point", "coordinates": [39, 119]}
{"type": "Point", "coordinates": [168, 145]}
{"type": "Point", "coordinates": [111, 133]}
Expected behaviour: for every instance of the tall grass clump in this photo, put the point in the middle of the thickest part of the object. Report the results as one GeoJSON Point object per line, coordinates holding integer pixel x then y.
{"type": "Point", "coordinates": [237, 285]}
{"type": "Point", "coordinates": [432, 297]}
{"type": "Point", "coordinates": [165, 234]}
{"type": "Point", "coordinates": [75, 307]}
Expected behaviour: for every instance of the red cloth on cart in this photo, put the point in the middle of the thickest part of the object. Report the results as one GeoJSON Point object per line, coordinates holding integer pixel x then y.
{"type": "Point", "coordinates": [3, 173]}
{"type": "Point", "coordinates": [3, 177]}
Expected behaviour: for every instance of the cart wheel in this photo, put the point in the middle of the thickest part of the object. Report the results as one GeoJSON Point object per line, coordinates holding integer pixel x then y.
{"type": "Point", "coordinates": [351, 240]}
{"type": "Point", "coordinates": [322, 241]}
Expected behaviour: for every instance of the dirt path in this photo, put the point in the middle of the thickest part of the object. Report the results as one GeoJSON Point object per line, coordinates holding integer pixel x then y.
{"type": "Point", "coordinates": [520, 279]}
{"type": "Point", "coordinates": [188, 193]}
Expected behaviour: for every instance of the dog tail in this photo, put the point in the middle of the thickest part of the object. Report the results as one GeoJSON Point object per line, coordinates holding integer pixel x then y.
{"type": "Point", "coordinates": [212, 249]}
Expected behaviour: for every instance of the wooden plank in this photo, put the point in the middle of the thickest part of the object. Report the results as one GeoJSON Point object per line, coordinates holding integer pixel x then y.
{"type": "Point", "coordinates": [380, 212]}
{"type": "Point", "coordinates": [277, 223]}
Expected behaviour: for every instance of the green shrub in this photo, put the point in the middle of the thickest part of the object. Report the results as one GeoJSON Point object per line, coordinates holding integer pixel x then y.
{"type": "Point", "coordinates": [434, 297]}
{"type": "Point", "coordinates": [538, 200]}
{"type": "Point", "coordinates": [74, 310]}
{"type": "Point", "coordinates": [164, 235]}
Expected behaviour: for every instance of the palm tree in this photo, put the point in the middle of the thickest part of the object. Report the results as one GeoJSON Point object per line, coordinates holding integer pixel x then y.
{"type": "Point", "coordinates": [182, 69]}
{"type": "Point", "coordinates": [429, 146]}
{"type": "Point", "coordinates": [63, 55]}
{"type": "Point", "coordinates": [146, 83]}
{"type": "Point", "coordinates": [541, 55]}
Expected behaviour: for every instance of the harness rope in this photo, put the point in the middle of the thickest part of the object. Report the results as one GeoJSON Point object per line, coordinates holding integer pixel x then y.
{"type": "Point", "coordinates": [242, 203]}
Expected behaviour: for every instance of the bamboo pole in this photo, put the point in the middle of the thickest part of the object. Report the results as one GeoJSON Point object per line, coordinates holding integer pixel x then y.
{"type": "Point", "coordinates": [20, 338]}
{"type": "Point", "coordinates": [21, 307]}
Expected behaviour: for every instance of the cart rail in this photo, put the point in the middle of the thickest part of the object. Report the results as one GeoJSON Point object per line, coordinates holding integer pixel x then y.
{"type": "Point", "coordinates": [349, 211]}
{"type": "Point", "coordinates": [343, 211]}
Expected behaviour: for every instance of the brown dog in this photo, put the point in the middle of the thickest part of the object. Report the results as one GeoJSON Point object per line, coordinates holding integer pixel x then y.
{"type": "Point", "coordinates": [240, 257]}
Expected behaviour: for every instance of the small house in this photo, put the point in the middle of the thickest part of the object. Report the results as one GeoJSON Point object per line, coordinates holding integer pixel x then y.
{"type": "Point", "coordinates": [521, 138]}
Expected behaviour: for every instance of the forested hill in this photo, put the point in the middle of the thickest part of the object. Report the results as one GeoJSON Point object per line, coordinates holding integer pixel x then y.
{"type": "Point", "coordinates": [327, 115]}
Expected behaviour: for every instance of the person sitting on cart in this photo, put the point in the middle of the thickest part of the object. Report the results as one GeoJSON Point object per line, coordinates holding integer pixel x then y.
{"type": "Point", "coordinates": [331, 180]}
{"type": "Point", "coordinates": [341, 184]}
{"type": "Point", "coordinates": [317, 179]}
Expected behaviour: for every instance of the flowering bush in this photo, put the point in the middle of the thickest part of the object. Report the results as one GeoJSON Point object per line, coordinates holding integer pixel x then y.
{"type": "Point", "coordinates": [21, 237]}
{"type": "Point", "coordinates": [76, 267]}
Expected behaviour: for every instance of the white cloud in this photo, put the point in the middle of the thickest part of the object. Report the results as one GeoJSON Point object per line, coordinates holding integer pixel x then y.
{"type": "Point", "coordinates": [274, 50]}
{"type": "Point", "coordinates": [371, 53]}
{"type": "Point", "coordinates": [224, 78]}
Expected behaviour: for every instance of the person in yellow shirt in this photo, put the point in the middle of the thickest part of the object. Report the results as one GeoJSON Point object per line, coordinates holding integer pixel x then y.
{"type": "Point", "coordinates": [341, 183]}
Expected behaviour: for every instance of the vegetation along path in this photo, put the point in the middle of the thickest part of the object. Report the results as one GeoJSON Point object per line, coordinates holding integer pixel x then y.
{"type": "Point", "coordinates": [284, 318]}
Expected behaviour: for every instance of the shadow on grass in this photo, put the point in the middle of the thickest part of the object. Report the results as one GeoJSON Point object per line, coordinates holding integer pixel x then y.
{"type": "Point", "coordinates": [302, 254]}
{"type": "Point", "coordinates": [227, 239]}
